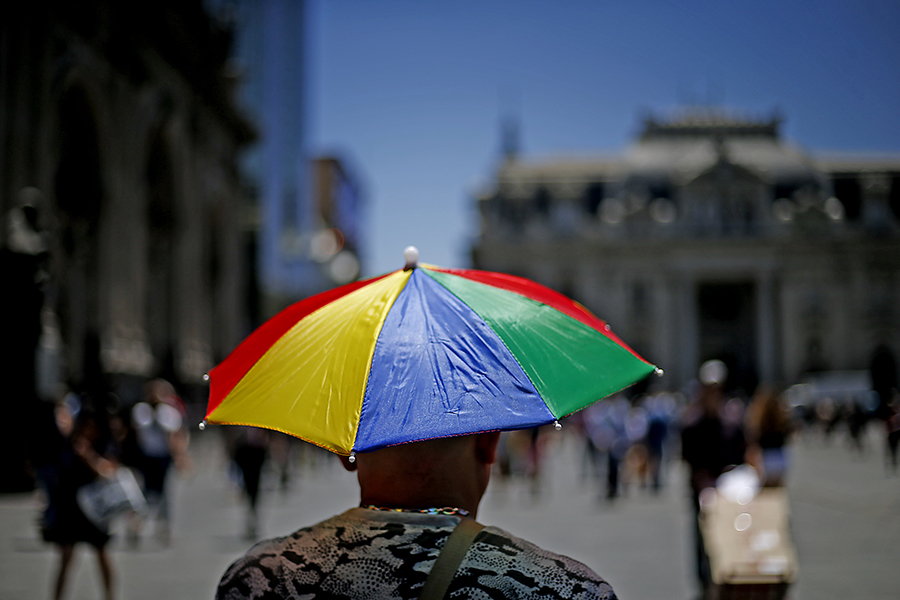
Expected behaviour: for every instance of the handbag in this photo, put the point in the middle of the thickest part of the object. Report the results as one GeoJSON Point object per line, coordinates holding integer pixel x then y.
{"type": "Point", "coordinates": [107, 497]}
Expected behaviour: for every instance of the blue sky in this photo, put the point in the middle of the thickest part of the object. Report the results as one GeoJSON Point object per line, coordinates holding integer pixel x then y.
{"type": "Point", "coordinates": [411, 92]}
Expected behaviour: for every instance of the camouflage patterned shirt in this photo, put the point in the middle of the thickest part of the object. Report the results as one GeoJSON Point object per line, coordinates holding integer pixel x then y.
{"type": "Point", "coordinates": [379, 555]}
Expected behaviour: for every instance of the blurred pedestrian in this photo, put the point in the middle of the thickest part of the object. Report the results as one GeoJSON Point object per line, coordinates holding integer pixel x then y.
{"type": "Point", "coordinates": [892, 423]}
{"type": "Point", "coordinates": [636, 456]}
{"type": "Point", "coordinates": [521, 456]}
{"type": "Point", "coordinates": [590, 453]}
{"type": "Point", "coordinates": [281, 450]}
{"type": "Point", "coordinates": [769, 427]}
{"type": "Point", "coordinates": [84, 457]}
{"type": "Point", "coordinates": [857, 417]}
{"type": "Point", "coordinates": [828, 416]}
{"type": "Point", "coordinates": [710, 444]}
{"type": "Point", "coordinates": [539, 443]}
{"type": "Point", "coordinates": [161, 441]}
{"type": "Point", "coordinates": [660, 408]}
{"type": "Point", "coordinates": [505, 459]}
{"type": "Point", "coordinates": [250, 450]}
{"type": "Point", "coordinates": [605, 424]}
{"type": "Point", "coordinates": [883, 371]}
{"type": "Point", "coordinates": [619, 443]}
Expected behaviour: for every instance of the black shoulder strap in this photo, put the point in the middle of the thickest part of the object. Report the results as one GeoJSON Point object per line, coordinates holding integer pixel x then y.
{"type": "Point", "coordinates": [449, 559]}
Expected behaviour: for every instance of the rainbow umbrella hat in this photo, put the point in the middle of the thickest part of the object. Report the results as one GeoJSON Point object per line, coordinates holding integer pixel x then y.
{"type": "Point", "coordinates": [421, 353]}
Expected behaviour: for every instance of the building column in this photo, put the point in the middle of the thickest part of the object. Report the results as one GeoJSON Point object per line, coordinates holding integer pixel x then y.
{"type": "Point", "coordinates": [686, 341]}
{"type": "Point", "coordinates": [876, 209]}
{"type": "Point", "coordinates": [663, 335]}
{"type": "Point", "coordinates": [766, 348]}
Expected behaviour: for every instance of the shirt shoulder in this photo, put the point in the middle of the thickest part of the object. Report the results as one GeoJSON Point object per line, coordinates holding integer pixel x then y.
{"type": "Point", "coordinates": [346, 557]}
{"type": "Point", "coordinates": [502, 565]}
{"type": "Point", "coordinates": [342, 557]}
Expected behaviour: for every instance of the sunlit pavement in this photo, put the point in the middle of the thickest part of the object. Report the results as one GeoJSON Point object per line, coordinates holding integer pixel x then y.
{"type": "Point", "coordinates": [845, 521]}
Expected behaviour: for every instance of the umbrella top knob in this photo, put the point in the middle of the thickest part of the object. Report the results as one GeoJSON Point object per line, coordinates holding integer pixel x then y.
{"type": "Point", "coordinates": [411, 254]}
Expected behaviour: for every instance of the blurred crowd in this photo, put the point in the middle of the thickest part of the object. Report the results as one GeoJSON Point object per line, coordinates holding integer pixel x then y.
{"type": "Point", "coordinates": [105, 462]}
{"type": "Point", "coordinates": [105, 466]}
{"type": "Point", "coordinates": [629, 442]}
{"type": "Point", "coordinates": [101, 460]}
{"type": "Point", "coordinates": [721, 436]}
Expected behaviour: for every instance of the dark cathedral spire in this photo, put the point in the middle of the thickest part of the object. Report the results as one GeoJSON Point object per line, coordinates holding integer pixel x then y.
{"type": "Point", "coordinates": [509, 137]}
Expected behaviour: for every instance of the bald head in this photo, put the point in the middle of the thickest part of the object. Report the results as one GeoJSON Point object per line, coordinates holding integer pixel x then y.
{"type": "Point", "coordinates": [434, 473]}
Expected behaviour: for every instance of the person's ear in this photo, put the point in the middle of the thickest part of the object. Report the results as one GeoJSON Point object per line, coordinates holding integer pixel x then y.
{"type": "Point", "coordinates": [350, 466]}
{"type": "Point", "coordinates": [486, 446]}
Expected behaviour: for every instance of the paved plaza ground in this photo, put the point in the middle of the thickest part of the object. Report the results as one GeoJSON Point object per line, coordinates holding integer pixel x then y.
{"type": "Point", "coordinates": [845, 521]}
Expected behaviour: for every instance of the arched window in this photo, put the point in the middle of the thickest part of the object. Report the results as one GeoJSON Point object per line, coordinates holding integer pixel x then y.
{"type": "Point", "coordinates": [161, 229]}
{"type": "Point", "coordinates": [593, 196]}
{"type": "Point", "coordinates": [78, 191]}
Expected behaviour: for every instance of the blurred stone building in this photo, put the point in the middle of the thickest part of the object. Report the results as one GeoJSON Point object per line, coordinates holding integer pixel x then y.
{"type": "Point", "coordinates": [712, 237]}
{"type": "Point", "coordinates": [122, 215]}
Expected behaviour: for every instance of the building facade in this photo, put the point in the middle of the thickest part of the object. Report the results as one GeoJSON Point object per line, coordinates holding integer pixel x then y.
{"type": "Point", "coordinates": [122, 216]}
{"type": "Point", "coordinates": [712, 237]}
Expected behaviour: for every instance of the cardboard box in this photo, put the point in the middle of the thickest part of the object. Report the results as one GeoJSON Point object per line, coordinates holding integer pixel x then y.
{"type": "Point", "coordinates": [751, 553]}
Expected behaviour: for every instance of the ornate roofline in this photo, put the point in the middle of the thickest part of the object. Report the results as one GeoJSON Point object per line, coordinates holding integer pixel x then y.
{"type": "Point", "coordinates": [710, 122]}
